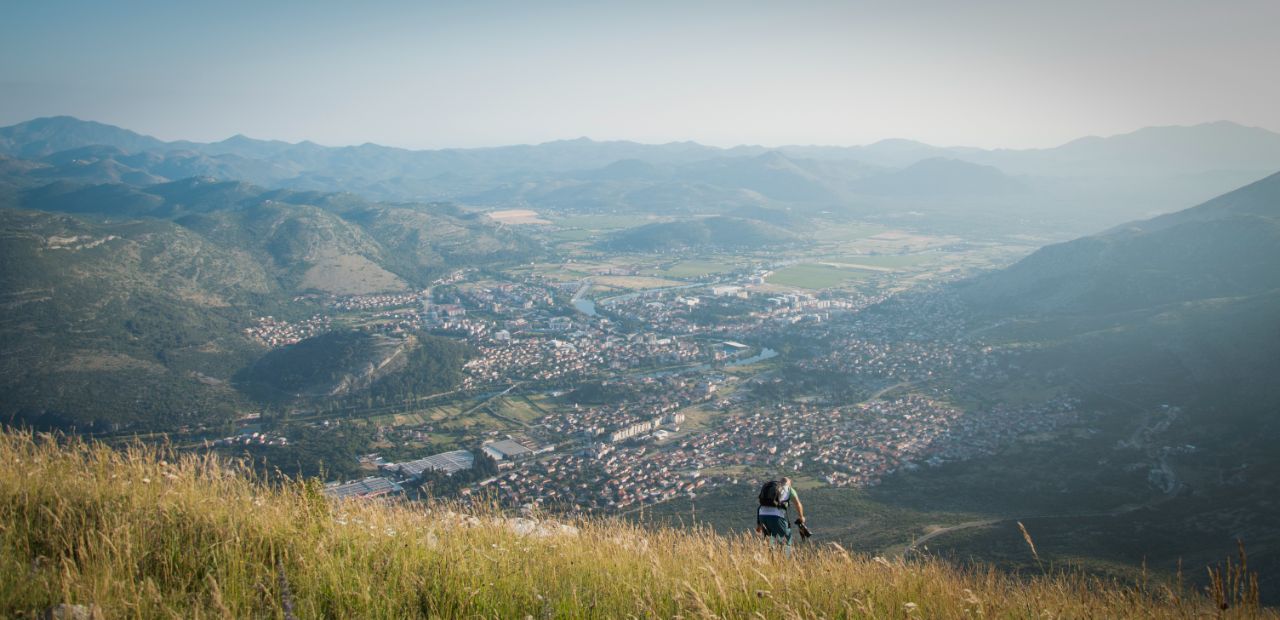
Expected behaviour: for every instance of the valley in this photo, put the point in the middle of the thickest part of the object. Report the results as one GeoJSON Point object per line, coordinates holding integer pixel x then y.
{"type": "Point", "coordinates": [929, 386]}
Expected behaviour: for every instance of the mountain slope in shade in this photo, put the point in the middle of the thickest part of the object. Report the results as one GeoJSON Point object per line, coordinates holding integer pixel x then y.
{"type": "Point", "coordinates": [1169, 330]}
{"type": "Point", "coordinates": [1183, 308]}
{"type": "Point", "coordinates": [1229, 246]}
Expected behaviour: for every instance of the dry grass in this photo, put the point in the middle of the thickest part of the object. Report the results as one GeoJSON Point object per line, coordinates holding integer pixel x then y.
{"type": "Point", "coordinates": [141, 533]}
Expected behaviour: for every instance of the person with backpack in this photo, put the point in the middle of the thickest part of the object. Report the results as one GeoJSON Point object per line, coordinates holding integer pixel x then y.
{"type": "Point", "coordinates": [776, 498]}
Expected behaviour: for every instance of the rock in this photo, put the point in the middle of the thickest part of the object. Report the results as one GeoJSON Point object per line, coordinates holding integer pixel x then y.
{"type": "Point", "coordinates": [67, 611]}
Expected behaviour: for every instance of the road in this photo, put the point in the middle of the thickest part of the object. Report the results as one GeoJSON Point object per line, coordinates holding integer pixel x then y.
{"type": "Point", "coordinates": [886, 390]}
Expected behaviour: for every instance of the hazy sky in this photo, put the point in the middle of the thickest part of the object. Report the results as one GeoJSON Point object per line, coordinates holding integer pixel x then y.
{"type": "Point", "coordinates": [475, 73]}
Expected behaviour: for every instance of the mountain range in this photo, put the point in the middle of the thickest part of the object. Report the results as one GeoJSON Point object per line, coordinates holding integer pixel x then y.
{"type": "Point", "coordinates": [1084, 185]}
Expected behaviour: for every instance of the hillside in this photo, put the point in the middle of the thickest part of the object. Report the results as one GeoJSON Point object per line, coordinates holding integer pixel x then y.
{"type": "Point", "coordinates": [712, 232]}
{"type": "Point", "coordinates": [125, 308]}
{"type": "Point", "coordinates": [1179, 309]}
{"type": "Point", "coordinates": [336, 243]}
{"type": "Point", "coordinates": [1225, 247]}
{"type": "Point", "coordinates": [341, 363]}
{"type": "Point", "coordinates": [1183, 306]}
{"type": "Point", "coordinates": [115, 323]}
{"type": "Point", "coordinates": [1169, 328]}
{"type": "Point", "coordinates": [307, 247]}
{"type": "Point", "coordinates": [157, 534]}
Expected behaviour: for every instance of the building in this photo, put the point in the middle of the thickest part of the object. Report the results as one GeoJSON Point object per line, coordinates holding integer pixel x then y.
{"type": "Point", "coordinates": [373, 486]}
{"type": "Point", "coordinates": [448, 463]}
{"type": "Point", "coordinates": [506, 450]}
{"type": "Point", "coordinates": [452, 310]}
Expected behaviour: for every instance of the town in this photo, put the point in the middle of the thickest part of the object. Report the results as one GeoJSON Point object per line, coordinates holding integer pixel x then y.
{"type": "Point", "coordinates": [634, 399]}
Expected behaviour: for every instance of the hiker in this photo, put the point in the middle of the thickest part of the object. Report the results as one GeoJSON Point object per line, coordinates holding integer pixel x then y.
{"type": "Point", "coordinates": [776, 498]}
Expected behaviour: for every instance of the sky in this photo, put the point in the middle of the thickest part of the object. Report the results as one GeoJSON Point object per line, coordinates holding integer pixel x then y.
{"type": "Point", "coordinates": [475, 73]}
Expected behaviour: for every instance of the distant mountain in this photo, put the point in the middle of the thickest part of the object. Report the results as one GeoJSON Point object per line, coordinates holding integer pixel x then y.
{"type": "Point", "coordinates": [890, 153]}
{"type": "Point", "coordinates": [711, 186]}
{"type": "Point", "coordinates": [1086, 184]}
{"type": "Point", "coordinates": [942, 177]}
{"type": "Point", "coordinates": [1198, 149]}
{"type": "Point", "coordinates": [772, 175]}
{"type": "Point", "coordinates": [628, 170]}
{"type": "Point", "coordinates": [44, 136]}
{"type": "Point", "coordinates": [711, 232]}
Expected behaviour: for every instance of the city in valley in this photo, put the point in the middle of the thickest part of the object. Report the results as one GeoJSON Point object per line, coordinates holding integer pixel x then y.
{"type": "Point", "coordinates": [607, 382]}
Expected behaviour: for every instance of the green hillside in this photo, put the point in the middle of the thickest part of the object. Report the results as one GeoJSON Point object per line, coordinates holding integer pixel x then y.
{"type": "Point", "coordinates": [344, 363]}
{"type": "Point", "coordinates": [117, 323]}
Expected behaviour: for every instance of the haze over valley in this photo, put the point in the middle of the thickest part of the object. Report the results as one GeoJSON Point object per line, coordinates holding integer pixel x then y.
{"type": "Point", "coordinates": [1056, 359]}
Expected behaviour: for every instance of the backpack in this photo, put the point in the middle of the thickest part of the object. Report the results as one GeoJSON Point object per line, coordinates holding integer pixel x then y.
{"type": "Point", "coordinates": [771, 494]}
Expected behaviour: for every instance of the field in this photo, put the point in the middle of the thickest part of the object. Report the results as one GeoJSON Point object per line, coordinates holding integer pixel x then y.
{"type": "Point", "coordinates": [815, 276]}
{"type": "Point", "coordinates": [696, 268]}
{"type": "Point", "coordinates": [890, 261]}
{"type": "Point", "coordinates": [516, 408]}
{"type": "Point", "coordinates": [517, 216]}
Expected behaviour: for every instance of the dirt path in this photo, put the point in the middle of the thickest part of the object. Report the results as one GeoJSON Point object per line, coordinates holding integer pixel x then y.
{"type": "Point", "coordinates": [938, 530]}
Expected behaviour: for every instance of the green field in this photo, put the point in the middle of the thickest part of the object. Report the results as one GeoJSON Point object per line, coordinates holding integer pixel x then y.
{"type": "Point", "coordinates": [516, 408]}
{"type": "Point", "coordinates": [813, 276]}
{"type": "Point", "coordinates": [695, 268]}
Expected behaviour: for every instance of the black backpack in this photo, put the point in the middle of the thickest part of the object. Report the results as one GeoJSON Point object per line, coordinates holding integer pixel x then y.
{"type": "Point", "coordinates": [771, 494]}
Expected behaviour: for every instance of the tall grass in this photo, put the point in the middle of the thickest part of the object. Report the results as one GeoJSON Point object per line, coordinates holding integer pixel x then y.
{"type": "Point", "coordinates": [143, 533]}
